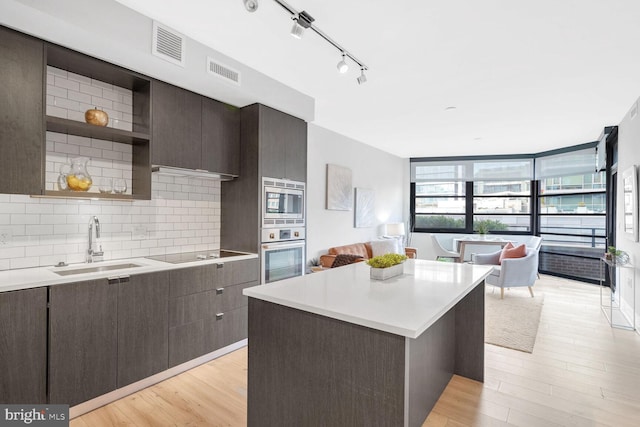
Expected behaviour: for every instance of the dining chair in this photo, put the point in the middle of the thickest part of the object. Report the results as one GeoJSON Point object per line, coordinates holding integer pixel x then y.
{"type": "Point", "coordinates": [442, 252]}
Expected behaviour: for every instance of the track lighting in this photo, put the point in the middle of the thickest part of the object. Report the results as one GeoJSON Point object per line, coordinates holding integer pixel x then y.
{"type": "Point", "coordinates": [302, 21]}
{"type": "Point", "coordinates": [251, 5]}
{"type": "Point", "coordinates": [362, 78]}
{"type": "Point", "coordinates": [342, 65]}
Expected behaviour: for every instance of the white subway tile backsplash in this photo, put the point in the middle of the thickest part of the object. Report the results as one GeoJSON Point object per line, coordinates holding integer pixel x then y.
{"type": "Point", "coordinates": [77, 96]}
{"type": "Point", "coordinates": [78, 78]}
{"type": "Point", "coordinates": [56, 111]}
{"type": "Point", "coordinates": [65, 83]}
{"type": "Point", "coordinates": [90, 90]}
{"type": "Point", "coordinates": [39, 230]}
{"type": "Point", "coordinates": [55, 91]}
{"type": "Point", "coordinates": [26, 262]}
{"type": "Point", "coordinates": [54, 230]}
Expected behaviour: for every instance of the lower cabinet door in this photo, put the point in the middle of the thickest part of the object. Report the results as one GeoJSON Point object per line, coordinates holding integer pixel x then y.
{"type": "Point", "coordinates": [186, 342]}
{"type": "Point", "coordinates": [23, 346]}
{"type": "Point", "coordinates": [82, 341]}
{"type": "Point", "coordinates": [227, 328]}
{"type": "Point", "coordinates": [143, 326]}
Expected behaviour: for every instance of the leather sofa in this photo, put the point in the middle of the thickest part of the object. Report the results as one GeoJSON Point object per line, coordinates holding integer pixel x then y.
{"type": "Point", "coordinates": [362, 249]}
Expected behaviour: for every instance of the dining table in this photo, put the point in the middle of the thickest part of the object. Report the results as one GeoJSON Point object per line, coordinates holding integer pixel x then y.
{"type": "Point", "coordinates": [460, 244]}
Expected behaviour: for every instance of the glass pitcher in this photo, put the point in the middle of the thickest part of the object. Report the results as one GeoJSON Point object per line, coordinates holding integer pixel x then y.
{"type": "Point", "coordinates": [74, 175]}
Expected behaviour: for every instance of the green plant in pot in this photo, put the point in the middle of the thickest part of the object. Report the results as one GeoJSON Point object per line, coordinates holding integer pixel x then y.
{"type": "Point", "coordinates": [616, 255]}
{"type": "Point", "coordinates": [386, 266]}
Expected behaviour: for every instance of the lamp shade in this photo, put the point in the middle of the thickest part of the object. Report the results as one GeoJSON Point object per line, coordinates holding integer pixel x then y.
{"type": "Point", "coordinates": [396, 229]}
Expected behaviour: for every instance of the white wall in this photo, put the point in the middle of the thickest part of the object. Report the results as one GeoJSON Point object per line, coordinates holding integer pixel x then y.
{"type": "Point", "coordinates": [628, 155]}
{"type": "Point", "coordinates": [371, 169]}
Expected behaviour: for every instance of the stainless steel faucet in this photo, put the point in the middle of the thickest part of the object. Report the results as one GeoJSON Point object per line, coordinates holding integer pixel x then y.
{"type": "Point", "coordinates": [90, 252]}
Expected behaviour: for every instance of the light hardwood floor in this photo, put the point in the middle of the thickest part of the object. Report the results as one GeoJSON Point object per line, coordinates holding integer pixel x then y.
{"type": "Point", "coordinates": [581, 373]}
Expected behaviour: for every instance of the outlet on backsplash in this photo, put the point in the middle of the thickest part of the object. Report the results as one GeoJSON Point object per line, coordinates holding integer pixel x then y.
{"type": "Point", "coordinates": [6, 236]}
{"type": "Point", "coordinates": [139, 232]}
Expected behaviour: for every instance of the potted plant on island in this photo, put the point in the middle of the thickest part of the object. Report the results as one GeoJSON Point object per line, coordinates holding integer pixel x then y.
{"type": "Point", "coordinates": [386, 266]}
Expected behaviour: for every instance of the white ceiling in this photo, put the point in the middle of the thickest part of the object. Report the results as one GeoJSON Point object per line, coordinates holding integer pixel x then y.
{"type": "Point", "coordinates": [524, 76]}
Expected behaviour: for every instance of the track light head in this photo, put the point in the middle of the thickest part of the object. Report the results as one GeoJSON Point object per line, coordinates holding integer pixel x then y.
{"type": "Point", "coordinates": [297, 30]}
{"type": "Point", "coordinates": [302, 21]}
{"type": "Point", "coordinates": [362, 78]}
{"type": "Point", "coordinates": [250, 5]}
{"type": "Point", "coordinates": [342, 65]}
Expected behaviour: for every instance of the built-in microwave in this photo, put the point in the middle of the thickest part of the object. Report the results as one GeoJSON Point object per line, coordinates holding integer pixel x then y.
{"type": "Point", "coordinates": [282, 203]}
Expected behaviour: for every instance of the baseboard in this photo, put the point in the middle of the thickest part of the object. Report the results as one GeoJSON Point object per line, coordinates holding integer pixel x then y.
{"type": "Point", "coordinates": [112, 396]}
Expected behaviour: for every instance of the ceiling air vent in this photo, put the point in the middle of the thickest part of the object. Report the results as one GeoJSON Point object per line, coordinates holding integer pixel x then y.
{"type": "Point", "coordinates": [168, 44]}
{"type": "Point", "coordinates": [217, 69]}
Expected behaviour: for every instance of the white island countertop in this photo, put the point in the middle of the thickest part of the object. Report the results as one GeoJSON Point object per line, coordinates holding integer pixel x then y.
{"type": "Point", "coordinates": [404, 305]}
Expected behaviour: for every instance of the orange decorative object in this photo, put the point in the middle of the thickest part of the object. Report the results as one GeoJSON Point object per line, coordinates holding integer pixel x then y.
{"type": "Point", "coordinates": [96, 117]}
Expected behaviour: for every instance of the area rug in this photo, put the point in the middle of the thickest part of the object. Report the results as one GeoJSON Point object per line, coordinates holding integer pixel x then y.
{"type": "Point", "coordinates": [512, 322]}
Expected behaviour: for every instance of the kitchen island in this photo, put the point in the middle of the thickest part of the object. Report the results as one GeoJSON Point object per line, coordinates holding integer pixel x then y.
{"type": "Point", "coordinates": [337, 348]}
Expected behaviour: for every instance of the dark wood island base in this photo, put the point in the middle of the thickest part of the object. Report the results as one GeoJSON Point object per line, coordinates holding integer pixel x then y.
{"type": "Point", "coordinates": [308, 370]}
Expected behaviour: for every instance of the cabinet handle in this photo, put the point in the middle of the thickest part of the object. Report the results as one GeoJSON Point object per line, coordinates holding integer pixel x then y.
{"type": "Point", "coordinates": [113, 280]}
{"type": "Point", "coordinates": [124, 279]}
{"type": "Point", "coordinates": [219, 291]}
{"type": "Point", "coordinates": [219, 316]}
{"type": "Point", "coordinates": [219, 265]}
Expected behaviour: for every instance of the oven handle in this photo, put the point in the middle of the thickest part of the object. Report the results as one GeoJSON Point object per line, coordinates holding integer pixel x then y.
{"type": "Point", "coordinates": [284, 245]}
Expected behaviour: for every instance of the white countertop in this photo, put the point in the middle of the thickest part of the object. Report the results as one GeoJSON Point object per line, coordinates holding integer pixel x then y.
{"type": "Point", "coordinates": [11, 280]}
{"type": "Point", "coordinates": [404, 305]}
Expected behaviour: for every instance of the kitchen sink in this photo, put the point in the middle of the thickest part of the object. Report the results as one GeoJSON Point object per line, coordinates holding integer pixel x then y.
{"type": "Point", "coordinates": [96, 269]}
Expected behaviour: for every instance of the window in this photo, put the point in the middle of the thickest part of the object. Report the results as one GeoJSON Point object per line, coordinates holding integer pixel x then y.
{"type": "Point", "coordinates": [573, 210]}
{"type": "Point", "coordinates": [460, 194]}
{"type": "Point", "coordinates": [502, 206]}
{"type": "Point", "coordinates": [440, 205]}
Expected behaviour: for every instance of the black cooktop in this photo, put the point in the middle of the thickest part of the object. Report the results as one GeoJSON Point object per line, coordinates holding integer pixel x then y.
{"type": "Point", "coordinates": [195, 256]}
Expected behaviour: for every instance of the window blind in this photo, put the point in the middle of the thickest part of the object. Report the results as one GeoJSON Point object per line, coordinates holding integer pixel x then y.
{"type": "Point", "coordinates": [577, 162]}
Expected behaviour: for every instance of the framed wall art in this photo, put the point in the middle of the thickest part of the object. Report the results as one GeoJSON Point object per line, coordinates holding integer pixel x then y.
{"type": "Point", "coordinates": [339, 188]}
{"type": "Point", "coordinates": [365, 208]}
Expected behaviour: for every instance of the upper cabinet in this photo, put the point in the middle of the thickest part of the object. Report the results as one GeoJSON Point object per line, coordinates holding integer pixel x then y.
{"type": "Point", "coordinates": [283, 145]}
{"type": "Point", "coordinates": [220, 137]}
{"type": "Point", "coordinates": [194, 132]}
{"type": "Point", "coordinates": [177, 127]}
{"type": "Point", "coordinates": [21, 113]}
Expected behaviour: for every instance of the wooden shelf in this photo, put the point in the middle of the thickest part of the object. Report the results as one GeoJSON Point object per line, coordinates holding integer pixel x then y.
{"type": "Point", "coordinates": [83, 195]}
{"type": "Point", "coordinates": [73, 127]}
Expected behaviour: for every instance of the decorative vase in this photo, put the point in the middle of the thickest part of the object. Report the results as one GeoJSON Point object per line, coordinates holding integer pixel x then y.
{"type": "Point", "coordinates": [96, 117]}
{"type": "Point", "coordinates": [386, 273]}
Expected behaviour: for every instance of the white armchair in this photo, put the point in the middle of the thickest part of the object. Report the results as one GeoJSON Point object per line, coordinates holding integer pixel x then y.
{"type": "Point", "coordinates": [513, 272]}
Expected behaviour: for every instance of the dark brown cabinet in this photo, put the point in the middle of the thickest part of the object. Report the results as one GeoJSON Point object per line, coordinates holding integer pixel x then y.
{"type": "Point", "coordinates": [220, 137]}
{"type": "Point", "coordinates": [282, 145]}
{"type": "Point", "coordinates": [207, 310]}
{"type": "Point", "coordinates": [177, 126]}
{"type": "Point", "coordinates": [142, 326]}
{"type": "Point", "coordinates": [273, 144]}
{"type": "Point", "coordinates": [83, 340]}
{"type": "Point", "coordinates": [105, 334]}
{"type": "Point", "coordinates": [194, 132]}
{"type": "Point", "coordinates": [21, 113]}
{"type": "Point", "coordinates": [23, 346]}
